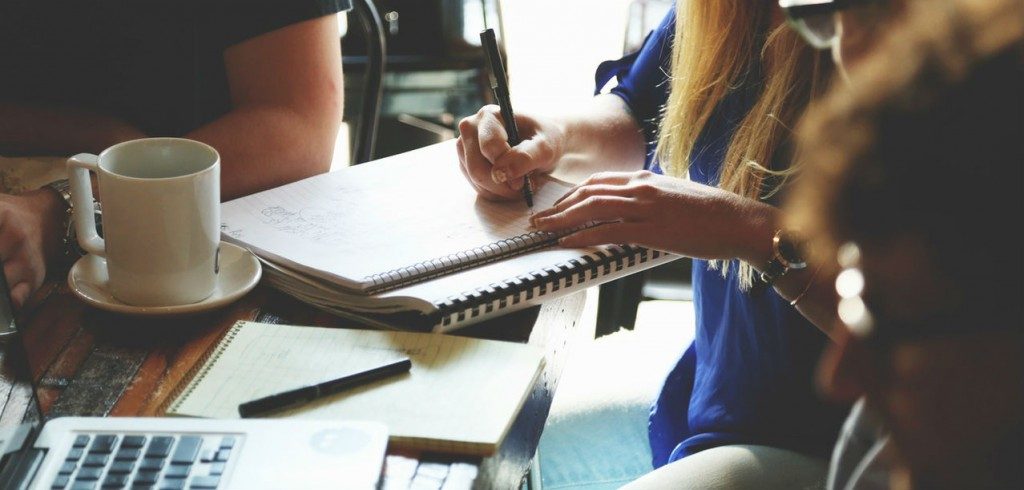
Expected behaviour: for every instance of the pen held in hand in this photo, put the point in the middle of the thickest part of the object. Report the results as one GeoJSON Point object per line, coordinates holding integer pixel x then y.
{"type": "Point", "coordinates": [528, 190]}
{"type": "Point", "coordinates": [499, 84]}
{"type": "Point", "coordinates": [309, 393]}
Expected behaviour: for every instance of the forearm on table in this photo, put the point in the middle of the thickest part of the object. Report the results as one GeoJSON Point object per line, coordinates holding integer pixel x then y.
{"type": "Point", "coordinates": [815, 290]}
{"type": "Point", "coordinates": [35, 130]}
{"type": "Point", "coordinates": [264, 146]}
{"type": "Point", "coordinates": [602, 136]}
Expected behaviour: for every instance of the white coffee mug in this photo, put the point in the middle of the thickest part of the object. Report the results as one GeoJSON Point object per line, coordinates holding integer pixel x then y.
{"type": "Point", "coordinates": [161, 218]}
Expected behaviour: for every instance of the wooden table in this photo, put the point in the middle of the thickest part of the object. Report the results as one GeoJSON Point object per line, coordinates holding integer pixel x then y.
{"type": "Point", "coordinates": [85, 362]}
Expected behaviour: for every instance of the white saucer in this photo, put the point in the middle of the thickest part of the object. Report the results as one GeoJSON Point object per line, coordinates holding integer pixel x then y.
{"type": "Point", "coordinates": [239, 273]}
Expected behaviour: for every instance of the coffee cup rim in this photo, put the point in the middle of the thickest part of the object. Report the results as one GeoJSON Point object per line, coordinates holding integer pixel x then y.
{"type": "Point", "coordinates": [208, 168]}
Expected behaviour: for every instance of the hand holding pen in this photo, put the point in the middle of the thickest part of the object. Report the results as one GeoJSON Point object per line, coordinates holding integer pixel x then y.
{"type": "Point", "coordinates": [499, 84]}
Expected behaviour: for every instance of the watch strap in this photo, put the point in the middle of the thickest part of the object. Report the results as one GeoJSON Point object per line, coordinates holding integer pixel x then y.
{"type": "Point", "coordinates": [780, 263]}
{"type": "Point", "coordinates": [63, 188]}
{"type": "Point", "coordinates": [773, 271]}
{"type": "Point", "coordinates": [71, 248]}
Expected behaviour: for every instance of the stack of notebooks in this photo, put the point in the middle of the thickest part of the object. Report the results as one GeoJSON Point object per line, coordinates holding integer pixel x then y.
{"type": "Point", "coordinates": [405, 242]}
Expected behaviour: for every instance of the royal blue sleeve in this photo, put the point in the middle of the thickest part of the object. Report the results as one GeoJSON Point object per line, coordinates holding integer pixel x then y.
{"type": "Point", "coordinates": [643, 80]}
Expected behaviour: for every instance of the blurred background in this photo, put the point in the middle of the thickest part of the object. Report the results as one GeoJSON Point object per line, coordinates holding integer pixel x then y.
{"type": "Point", "coordinates": [435, 68]}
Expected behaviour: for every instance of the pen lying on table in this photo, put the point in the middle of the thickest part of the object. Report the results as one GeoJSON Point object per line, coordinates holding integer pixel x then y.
{"type": "Point", "coordinates": [309, 393]}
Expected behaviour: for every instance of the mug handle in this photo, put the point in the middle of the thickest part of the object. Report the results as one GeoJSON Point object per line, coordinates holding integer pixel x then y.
{"type": "Point", "coordinates": [81, 196]}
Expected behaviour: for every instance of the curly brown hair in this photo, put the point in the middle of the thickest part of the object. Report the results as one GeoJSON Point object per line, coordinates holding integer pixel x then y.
{"type": "Point", "coordinates": [927, 142]}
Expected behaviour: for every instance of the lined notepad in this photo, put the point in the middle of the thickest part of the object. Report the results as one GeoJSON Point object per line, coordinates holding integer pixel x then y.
{"type": "Point", "coordinates": [460, 396]}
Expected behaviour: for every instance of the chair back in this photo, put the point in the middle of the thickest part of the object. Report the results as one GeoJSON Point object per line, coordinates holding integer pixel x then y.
{"type": "Point", "coordinates": [369, 21]}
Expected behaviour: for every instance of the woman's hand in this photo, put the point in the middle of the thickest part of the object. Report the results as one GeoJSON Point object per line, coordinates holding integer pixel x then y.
{"type": "Point", "coordinates": [494, 168]}
{"type": "Point", "coordinates": [29, 235]}
{"type": "Point", "coordinates": [661, 212]}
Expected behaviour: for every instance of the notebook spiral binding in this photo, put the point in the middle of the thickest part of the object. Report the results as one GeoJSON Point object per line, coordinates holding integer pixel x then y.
{"type": "Point", "coordinates": [465, 259]}
{"type": "Point", "coordinates": [525, 287]}
{"type": "Point", "coordinates": [198, 371]}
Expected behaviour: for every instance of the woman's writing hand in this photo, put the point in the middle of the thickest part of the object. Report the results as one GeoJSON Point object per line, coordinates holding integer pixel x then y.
{"type": "Point", "coordinates": [496, 169]}
{"type": "Point", "coordinates": [661, 212]}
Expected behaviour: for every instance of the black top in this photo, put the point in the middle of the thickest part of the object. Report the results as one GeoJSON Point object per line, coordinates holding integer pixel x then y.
{"type": "Point", "coordinates": [156, 65]}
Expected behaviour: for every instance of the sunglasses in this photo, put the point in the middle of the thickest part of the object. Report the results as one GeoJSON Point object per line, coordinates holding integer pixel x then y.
{"type": "Point", "coordinates": [815, 21]}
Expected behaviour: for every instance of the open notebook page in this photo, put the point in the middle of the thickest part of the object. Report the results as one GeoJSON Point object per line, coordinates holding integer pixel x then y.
{"type": "Point", "coordinates": [374, 218]}
{"type": "Point", "coordinates": [461, 395]}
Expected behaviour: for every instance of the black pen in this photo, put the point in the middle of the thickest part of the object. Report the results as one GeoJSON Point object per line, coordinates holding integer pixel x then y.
{"type": "Point", "coordinates": [499, 84]}
{"type": "Point", "coordinates": [309, 393]}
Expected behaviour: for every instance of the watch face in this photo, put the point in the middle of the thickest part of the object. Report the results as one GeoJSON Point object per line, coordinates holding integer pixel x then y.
{"type": "Point", "coordinates": [792, 251]}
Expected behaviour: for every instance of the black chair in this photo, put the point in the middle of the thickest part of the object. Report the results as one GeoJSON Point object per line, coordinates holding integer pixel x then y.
{"type": "Point", "coordinates": [435, 70]}
{"type": "Point", "coordinates": [365, 139]}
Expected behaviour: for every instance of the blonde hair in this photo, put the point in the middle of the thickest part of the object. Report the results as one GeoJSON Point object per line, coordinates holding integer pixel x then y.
{"type": "Point", "coordinates": [718, 43]}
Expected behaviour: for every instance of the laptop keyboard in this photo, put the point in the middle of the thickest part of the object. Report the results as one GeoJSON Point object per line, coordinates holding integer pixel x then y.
{"type": "Point", "coordinates": [107, 461]}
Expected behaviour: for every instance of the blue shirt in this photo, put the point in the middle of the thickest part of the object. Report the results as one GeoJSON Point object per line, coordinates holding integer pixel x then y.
{"type": "Point", "coordinates": [748, 376]}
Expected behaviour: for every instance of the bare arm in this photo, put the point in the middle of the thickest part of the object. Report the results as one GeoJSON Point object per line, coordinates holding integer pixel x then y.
{"type": "Point", "coordinates": [602, 136]}
{"type": "Point", "coordinates": [287, 95]}
{"type": "Point", "coordinates": [34, 130]}
{"type": "Point", "coordinates": [687, 218]}
{"type": "Point", "coordinates": [814, 287]}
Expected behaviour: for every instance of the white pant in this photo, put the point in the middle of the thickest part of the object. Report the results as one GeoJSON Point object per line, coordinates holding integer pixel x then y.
{"type": "Point", "coordinates": [738, 467]}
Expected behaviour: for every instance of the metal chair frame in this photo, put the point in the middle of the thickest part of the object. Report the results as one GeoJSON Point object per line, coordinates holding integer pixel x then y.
{"type": "Point", "coordinates": [369, 115]}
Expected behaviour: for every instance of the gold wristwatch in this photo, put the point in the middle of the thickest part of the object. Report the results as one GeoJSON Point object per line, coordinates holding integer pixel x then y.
{"type": "Point", "coordinates": [787, 253]}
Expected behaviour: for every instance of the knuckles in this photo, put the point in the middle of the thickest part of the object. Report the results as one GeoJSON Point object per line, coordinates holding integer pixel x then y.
{"type": "Point", "coordinates": [493, 148]}
{"type": "Point", "coordinates": [545, 149]}
{"type": "Point", "coordinates": [597, 177]}
{"type": "Point", "coordinates": [467, 125]}
{"type": "Point", "coordinates": [489, 110]}
{"type": "Point", "coordinates": [596, 201]}
{"type": "Point", "coordinates": [645, 190]}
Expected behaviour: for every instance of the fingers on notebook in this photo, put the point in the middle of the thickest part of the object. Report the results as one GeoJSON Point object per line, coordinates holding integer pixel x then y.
{"type": "Point", "coordinates": [610, 178]}
{"type": "Point", "coordinates": [606, 233]}
{"type": "Point", "coordinates": [601, 208]}
{"type": "Point", "coordinates": [601, 182]}
{"type": "Point", "coordinates": [581, 192]}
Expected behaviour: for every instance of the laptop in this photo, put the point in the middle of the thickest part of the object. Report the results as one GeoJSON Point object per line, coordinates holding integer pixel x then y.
{"type": "Point", "coordinates": [184, 453]}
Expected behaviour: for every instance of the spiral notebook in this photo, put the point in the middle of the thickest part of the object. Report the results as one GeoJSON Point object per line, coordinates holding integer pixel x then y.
{"type": "Point", "coordinates": [461, 395]}
{"type": "Point", "coordinates": [405, 242]}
